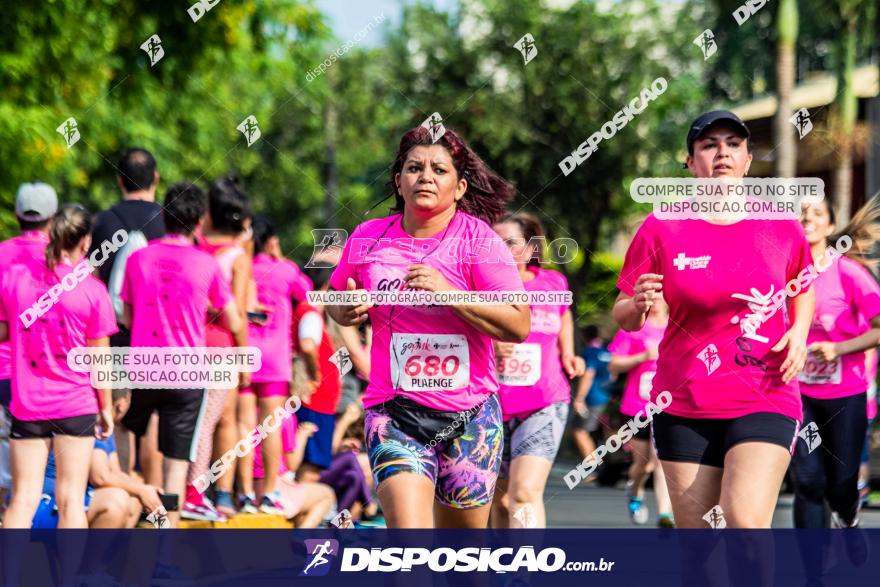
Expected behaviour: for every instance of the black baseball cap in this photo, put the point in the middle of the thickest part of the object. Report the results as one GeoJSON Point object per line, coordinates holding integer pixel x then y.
{"type": "Point", "coordinates": [704, 121]}
{"type": "Point", "coordinates": [707, 119]}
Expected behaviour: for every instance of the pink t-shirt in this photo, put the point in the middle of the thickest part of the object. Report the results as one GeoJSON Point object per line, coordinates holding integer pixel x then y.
{"type": "Point", "coordinates": [637, 390]}
{"type": "Point", "coordinates": [847, 298]}
{"type": "Point", "coordinates": [438, 359]}
{"type": "Point", "coordinates": [302, 285]}
{"type": "Point", "coordinates": [707, 364]}
{"type": "Point", "coordinates": [25, 247]}
{"type": "Point", "coordinates": [532, 378]}
{"type": "Point", "coordinates": [43, 386]}
{"type": "Point", "coordinates": [169, 285]}
{"type": "Point", "coordinates": [276, 283]}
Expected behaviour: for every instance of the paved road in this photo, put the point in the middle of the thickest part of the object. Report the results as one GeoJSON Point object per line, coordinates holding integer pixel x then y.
{"type": "Point", "coordinates": [590, 506]}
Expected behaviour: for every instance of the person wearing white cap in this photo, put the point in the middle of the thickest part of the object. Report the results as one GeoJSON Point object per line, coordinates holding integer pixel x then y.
{"type": "Point", "coordinates": [35, 204]}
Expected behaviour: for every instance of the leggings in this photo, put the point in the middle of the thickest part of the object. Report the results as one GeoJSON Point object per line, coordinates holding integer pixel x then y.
{"type": "Point", "coordinates": [831, 472]}
{"type": "Point", "coordinates": [212, 409]}
{"type": "Point", "coordinates": [346, 478]}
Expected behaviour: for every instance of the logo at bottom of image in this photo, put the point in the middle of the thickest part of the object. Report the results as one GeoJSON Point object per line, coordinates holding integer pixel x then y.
{"type": "Point", "coordinates": [321, 553]}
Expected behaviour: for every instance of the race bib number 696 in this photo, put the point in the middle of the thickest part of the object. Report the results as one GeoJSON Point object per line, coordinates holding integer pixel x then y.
{"type": "Point", "coordinates": [522, 367]}
{"type": "Point", "coordinates": [429, 362]}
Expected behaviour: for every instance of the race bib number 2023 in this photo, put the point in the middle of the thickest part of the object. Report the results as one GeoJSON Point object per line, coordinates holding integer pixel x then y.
{"type": "Point", "coordinates": [429, 362]}
{"type": "Point", "coordinates": [816, 371]}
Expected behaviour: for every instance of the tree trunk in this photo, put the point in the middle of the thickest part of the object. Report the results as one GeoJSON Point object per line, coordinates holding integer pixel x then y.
{"type": "Point", "coordinates": [784, 131]}
{"type": "Point", "coordinates": [331, 183]}
{"type": "Point", "coordinates": [843, 122]}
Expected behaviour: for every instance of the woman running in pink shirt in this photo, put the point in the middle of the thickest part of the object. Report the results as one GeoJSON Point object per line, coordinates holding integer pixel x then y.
{"type": "Point", "coordinates": [834, 381]}
{"type": "Point", "coordinates": [52, 405]}
{"type": "Point", "coordinates": [433, 423]}
{"type": "Point", "coordinates": [726, 437]}
{"type": "Point", "coordinates": [635, 354]}
{"type": "Point", "coordinates": [534, 390]}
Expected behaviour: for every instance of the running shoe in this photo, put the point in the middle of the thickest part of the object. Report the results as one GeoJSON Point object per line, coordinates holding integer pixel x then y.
{"type": "Point", "coordinates": [638, 512]}
{"type": "Point", "coordinates": [666, 521]}
{"type": "Point", "coordinates": [224, 504]}
{"type": "Point", "coordinates": [204, 511]}
{"type": "Point", "coordinates": [247, 504]}
{"type": "Point", "coordinates": [271, 504]}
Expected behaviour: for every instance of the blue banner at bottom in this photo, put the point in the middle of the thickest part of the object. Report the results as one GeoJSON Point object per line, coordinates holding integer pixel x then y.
{"type": "Point", "coordinates": [330, 558]}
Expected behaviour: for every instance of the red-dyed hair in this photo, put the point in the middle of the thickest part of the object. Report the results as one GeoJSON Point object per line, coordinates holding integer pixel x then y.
{"type": "Point", "coordinates": [487, 192]}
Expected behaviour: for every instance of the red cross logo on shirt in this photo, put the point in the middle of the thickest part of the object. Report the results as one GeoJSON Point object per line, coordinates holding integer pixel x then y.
{"type": "Point", "coordinates": [681, 262]}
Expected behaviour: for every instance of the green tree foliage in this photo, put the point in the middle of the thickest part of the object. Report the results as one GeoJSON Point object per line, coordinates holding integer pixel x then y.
{"type": "Point", "coordinates": [82, 59]}
{"type": "Point", "coordinates": [328, 140]}
{"type": "Point", "coordinates": [524, 119]}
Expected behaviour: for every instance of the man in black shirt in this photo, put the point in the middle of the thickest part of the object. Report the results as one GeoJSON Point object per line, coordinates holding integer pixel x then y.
{"type": "Point", "coordinates": [138, 179]}
{"type": "Point", "coordinates": [138, 211]}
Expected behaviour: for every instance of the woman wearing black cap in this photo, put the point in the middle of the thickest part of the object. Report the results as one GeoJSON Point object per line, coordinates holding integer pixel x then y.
{"type": "Point", "coordinates": [726, 438]}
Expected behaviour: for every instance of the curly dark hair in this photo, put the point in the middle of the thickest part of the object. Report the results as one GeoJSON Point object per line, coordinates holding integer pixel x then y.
{"type": "Point", "coordinates": [487, 192]}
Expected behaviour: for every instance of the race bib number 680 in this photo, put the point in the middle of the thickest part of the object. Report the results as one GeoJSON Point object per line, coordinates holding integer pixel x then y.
{"type": "Point", "coordinates": [429, 362]}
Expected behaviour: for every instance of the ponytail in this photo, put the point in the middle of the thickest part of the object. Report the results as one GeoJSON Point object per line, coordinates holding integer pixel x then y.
{"type": "Point", "coordinates": [70, 225]}
{"type": "Point", "coordinates": [864, 230]}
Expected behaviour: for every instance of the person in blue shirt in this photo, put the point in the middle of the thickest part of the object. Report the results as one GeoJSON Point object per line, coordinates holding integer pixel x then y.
{"type": "Point", "coordinates": [593, 391]}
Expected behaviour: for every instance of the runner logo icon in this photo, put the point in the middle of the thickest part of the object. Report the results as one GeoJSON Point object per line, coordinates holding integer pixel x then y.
{"type": "Point", "coordinates": [710, 358]}
{"type": "Point", "coordinates": [810, 434]}
{"type": "Point", "coordinates": [801, 121]}
{"type": "Point", "coordinates": [715, 518]}
{"type": "Point", "coordinates": [706, 43]}
{"type": "Point", "coordinates": [153, 48]}
{"type": "Point", "coordinates": [321, 552]}
{"type": "Point", "coordinates": [69, 131]}
{"type": "Point", "coordinates": [526, 46]}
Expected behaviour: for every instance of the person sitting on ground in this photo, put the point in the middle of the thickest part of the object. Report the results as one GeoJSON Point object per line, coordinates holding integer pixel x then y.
{"type": "Point", "coordinates": [306, 503]}
{"type": "Point", "coordinates": [349, 474]}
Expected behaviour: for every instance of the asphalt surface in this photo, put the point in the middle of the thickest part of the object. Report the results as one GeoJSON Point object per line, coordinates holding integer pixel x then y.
{"type": "Point", "coordinates": [591, 506]}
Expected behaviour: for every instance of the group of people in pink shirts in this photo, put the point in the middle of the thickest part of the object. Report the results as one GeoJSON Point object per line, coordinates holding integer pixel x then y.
{"type": "Point", "coordinates": [199, 271]}
{"type": "Point", "coordinates": [465, 405]}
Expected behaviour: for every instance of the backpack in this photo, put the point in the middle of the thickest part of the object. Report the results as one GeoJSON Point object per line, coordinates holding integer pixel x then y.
{"type": "Point", "coordinates": [136, 240]}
